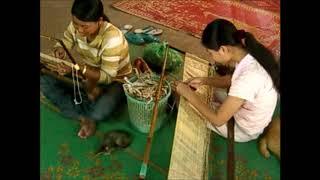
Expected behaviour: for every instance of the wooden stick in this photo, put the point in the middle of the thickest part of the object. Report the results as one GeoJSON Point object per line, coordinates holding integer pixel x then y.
{"type": "Point", "coordinates": [56, 60]}
{"type": "Point", "coordinates": [63, 46]}
{"type": "Point", "coordinates": [230, 160]}
{"type": "Point", "coordinates": [144, 166]}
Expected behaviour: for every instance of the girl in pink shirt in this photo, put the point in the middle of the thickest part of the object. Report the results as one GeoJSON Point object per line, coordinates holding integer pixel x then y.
{"type": "Point", "coordinates": [253, 86]}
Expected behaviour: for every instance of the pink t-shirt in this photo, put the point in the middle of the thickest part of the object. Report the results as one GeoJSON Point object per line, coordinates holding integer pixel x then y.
{"type": "Point", "coordinates": [251, 82]}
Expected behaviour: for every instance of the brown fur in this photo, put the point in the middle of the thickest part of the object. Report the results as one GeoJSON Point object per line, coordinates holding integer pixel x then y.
{"type": "Point", "coordinates": [270, 139]}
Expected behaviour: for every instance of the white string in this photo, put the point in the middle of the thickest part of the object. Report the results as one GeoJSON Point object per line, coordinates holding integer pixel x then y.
{"type": "Point", "coordinates": [76, 102]}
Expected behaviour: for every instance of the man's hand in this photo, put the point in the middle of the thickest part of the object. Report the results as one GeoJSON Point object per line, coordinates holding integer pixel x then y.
{"type": "Point", "coordinates": [63, 69]}
{"type": "Point", "coordinates": [60, 53]}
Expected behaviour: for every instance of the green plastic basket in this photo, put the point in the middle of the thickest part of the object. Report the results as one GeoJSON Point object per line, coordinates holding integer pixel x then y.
{"type": "Point", "coordinates": [140, 112]}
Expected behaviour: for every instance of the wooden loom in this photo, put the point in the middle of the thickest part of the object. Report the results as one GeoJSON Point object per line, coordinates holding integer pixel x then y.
{"type": "Point", "coordinates": [189, 156]}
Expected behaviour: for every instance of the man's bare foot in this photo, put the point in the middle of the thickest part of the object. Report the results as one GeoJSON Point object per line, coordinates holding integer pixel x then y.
{"type": "Point", "coordinates": [88, 128]}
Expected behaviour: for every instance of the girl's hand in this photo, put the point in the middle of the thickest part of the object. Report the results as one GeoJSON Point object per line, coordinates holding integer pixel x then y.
{"type": "Point", "coordinates": [181, 88]}
{"type": "Point", "coordinates": [60, 53]}
{"type": "Point", "coordinates": [196, 82]}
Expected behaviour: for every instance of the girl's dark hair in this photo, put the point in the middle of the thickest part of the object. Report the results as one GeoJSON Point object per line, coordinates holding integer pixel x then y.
{"type": "Point", "coordinates": [222, 32]}
{"type": "Point", "coordinates": [88, 10]}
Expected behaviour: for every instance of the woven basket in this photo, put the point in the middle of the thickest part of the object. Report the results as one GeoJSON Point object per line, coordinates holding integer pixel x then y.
{"type": "Point", "coordinates": [140, 112]}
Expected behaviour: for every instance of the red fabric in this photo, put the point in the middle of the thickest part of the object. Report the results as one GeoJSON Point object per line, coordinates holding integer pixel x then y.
{"type": "Point", "coordinates": [261, 17]}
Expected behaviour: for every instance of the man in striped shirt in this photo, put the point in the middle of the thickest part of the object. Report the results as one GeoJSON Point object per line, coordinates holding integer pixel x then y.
{"type": "Point", "coordinates": [108, 49]}
{"type": "Point", "coordinates": [105, 55]}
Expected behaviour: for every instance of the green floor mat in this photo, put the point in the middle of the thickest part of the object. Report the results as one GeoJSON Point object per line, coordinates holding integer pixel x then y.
{"type": "Point", "coordinates": [63, 155]}
{"type": "Point", "coordinates": [66, 156]}
{"type": "Point", "coordinates": [249, 164]}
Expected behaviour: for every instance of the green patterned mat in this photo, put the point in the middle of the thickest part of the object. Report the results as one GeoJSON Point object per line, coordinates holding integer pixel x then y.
{"type": "Point", "coordinates": [65, 156]}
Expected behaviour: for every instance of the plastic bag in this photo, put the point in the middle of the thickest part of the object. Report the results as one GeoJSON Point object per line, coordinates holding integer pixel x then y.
{"type": "Point", "coordinates": [154, 55]}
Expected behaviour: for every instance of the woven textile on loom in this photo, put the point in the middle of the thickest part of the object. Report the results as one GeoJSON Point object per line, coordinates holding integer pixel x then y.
{"type": "Point", "coordinates": [189, 156]}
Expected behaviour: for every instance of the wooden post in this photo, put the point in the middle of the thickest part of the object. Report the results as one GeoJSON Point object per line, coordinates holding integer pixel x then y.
{"type": "Point", "coordinates": [231, 160]}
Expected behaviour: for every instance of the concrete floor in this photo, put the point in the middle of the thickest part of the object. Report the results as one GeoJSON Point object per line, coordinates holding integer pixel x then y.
{"type": "Point", "coordinates": [55, 15]}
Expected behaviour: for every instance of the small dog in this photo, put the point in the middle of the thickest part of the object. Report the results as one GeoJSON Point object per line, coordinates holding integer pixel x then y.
{"type": "Point", "coordinates": [270, 139]}
{"type": "Point", "coordinates": [114, 140]}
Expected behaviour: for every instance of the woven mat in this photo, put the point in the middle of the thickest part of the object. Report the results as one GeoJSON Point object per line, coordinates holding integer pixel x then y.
{"type": "Point", "coordinates": [261, 17]}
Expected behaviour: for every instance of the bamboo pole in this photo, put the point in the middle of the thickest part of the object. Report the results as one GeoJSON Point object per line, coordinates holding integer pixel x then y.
{"type": "Point", "coordinates": [54, 59]}
{"type": "Point", "coordinates": [47, 59]}
{"type": "Point", "coordinates": [63, 46]}
{"type": "Point", "coordinates": [144, 166]}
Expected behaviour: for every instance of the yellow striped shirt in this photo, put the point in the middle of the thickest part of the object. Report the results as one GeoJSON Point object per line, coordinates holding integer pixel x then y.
{"type": "Point", "coordinates": [109, 51]}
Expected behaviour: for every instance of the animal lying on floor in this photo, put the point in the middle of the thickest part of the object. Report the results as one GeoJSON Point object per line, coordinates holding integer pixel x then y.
{"type": "Point", "coordinates": [113, 140]}
{"type": "Point", "coordinates": [270, 139]}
